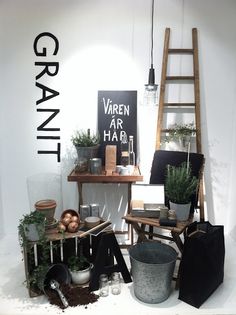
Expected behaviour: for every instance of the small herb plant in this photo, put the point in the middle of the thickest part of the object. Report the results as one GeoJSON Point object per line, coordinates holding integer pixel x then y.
{"type": "Point", "coordinates": [180, 131]}
{"type": "Point", "coordinates": [180, 184]}
{"type": "Point", "coordinates": [76, 263]}
{"type": "Point", "coordinates": [82, 138]}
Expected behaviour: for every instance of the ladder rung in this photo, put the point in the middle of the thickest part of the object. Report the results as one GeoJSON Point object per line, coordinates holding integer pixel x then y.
{"type": "Point", "coordinates": [178, 77]}
{"type": "Point", "coordinates": [180, 51]}
{"type": "Point", "coordinates": [179, 104]}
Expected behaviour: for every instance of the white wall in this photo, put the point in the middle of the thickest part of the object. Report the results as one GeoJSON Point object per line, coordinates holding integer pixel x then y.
{"type": "Point", "coordinates": [104, 44]}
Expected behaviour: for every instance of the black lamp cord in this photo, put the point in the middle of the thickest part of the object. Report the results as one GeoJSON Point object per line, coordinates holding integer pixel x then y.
{"type": "Point", "coordinates": [152, 34]}
{"type": "Point", "coordinates": [151, 77]}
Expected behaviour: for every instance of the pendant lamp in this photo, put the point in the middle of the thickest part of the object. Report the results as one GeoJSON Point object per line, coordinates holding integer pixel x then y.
{"type": "Point", "coordinates": [150, 95]}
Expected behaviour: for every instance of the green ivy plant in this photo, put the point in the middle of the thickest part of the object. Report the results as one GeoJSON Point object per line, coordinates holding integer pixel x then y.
{"type": "Point", "coordinates": [82, 138]}
{"type": "Point", "coordinates": [35, 274]}
{"type": "Point", "coordinates": [180, 184]}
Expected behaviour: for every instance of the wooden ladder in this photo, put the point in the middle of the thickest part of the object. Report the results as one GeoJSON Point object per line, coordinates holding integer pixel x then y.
{"type": "Point", "coordinates": [163, 104]}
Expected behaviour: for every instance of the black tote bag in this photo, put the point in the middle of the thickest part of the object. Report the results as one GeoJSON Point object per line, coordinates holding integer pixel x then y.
{"type": "Point", "coordinates": [202, 263]}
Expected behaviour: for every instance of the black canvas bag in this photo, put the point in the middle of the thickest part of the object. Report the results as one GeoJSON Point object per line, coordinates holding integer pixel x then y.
{"type": "Point", "coordinates": [202, 263]}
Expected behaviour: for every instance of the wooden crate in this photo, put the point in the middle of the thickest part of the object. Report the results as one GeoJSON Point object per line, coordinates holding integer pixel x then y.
{"type": "Point", "coordinates": [60, 247]}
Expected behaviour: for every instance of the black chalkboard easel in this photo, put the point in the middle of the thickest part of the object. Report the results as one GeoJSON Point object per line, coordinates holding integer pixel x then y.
{"type": "Point", "coordinates": [117, 114]}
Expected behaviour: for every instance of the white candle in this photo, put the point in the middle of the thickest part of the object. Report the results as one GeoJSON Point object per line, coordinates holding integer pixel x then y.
{"type": "Point", "coordinates": [51, 252]}
{"type": "Point", "coordinates": [188, 155]}
{"type": "Point", "coordinates": [76, 246]}
{"type": "Point", "coordinates": [61, 250]}
{"type": "Point", "coordinates": [35, 255]}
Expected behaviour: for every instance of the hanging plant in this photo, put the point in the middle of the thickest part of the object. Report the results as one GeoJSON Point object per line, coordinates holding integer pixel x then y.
{"type": "Point", "coordinates": [179, 132]}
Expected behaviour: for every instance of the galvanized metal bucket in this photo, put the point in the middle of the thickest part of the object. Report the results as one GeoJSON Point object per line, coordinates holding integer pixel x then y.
{"type": "Point", "coordinates": [152, 265]}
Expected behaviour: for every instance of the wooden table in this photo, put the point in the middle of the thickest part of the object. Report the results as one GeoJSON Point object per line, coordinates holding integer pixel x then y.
{"type": "Point", "coordinates": [139, 224]}
{"type": "Point", "coordinates": [82, 178]}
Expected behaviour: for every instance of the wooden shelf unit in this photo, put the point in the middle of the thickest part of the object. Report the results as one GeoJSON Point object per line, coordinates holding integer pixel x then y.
{"type": "Point", "coordinates": [82, 178]}
{"type": "Point", "coordinates": [103, 178]}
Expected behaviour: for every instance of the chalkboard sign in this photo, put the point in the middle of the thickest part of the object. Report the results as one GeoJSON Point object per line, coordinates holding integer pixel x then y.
{"type": "Point", "coordinates": [117, 114]}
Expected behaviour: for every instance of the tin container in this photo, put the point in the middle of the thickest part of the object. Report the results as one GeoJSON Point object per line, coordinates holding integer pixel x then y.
{"type": "Point", "coordinates": [94, 210]}
{"type": "Point", "coordinates": [164, 212]}
{"type": "Point", "coordinates": [84, 212]}
{"type": "Point", "coordinates": [96, 166]}
{"type": "Point", "coordinates": [152, 265]}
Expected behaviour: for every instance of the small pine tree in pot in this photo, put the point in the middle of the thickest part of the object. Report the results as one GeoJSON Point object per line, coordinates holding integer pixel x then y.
{"type": "Point", "coordinates": [180, 185]}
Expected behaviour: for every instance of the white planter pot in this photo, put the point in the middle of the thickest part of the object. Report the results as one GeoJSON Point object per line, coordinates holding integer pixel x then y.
{"type": "Point", "coordinates": [181, 210]}
{"type": "Point", "coordinates": [33, 232]}
{"type": "Point", "coordinates": [81, 276]}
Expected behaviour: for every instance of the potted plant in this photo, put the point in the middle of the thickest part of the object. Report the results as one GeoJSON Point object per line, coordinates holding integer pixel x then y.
{"type": "Point", "coordinates": [181, 133]}
{"type": "Point", "coordinates": [31, 227]}
{"type": "Point", "coordinates": [80, 269]}
{"type": "Point", "coordinates": [86, 145]}
{"type": "Point", "coordinates": [180, 185]}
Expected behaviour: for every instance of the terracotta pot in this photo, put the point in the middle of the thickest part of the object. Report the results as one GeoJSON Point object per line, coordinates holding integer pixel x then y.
{"type": "Point", "coordinates": [47, 207]}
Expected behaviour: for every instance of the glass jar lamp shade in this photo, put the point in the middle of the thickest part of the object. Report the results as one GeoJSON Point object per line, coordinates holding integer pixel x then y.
{"type": "Point", "coordinates": [150, 93]}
